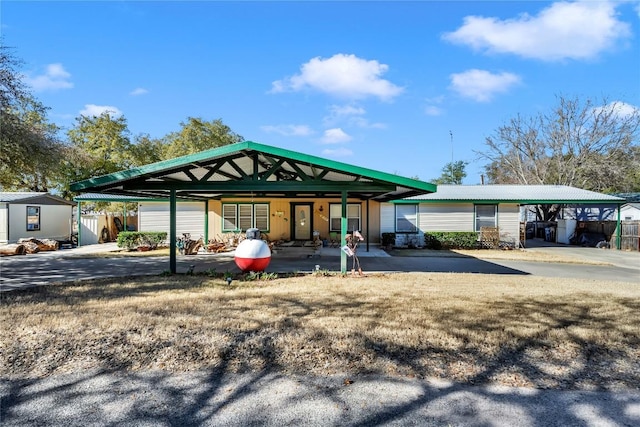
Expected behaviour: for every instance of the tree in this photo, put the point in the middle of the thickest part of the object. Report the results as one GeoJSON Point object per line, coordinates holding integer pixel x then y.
{"type": "Point", "coordinates": [198, 135]}
{"type": "Point", "coordinates": [29, 148]}
{"type": "Point", "coordinates": [146, 150]}
{"type": "Point", "coordinates": [452, 173]}
{"type": "Point", "coordinates": [98, 145]}
{"type": "Point", "coordinates": [581, 143]}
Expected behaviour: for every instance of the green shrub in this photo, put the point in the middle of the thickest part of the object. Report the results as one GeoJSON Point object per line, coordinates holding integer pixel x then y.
{"type": "Point", "coordinates": [451, 240]}
{"type": "Point", "coordinates": [388, 239]}
{"type": "Point", "coordinates": [132, 239]}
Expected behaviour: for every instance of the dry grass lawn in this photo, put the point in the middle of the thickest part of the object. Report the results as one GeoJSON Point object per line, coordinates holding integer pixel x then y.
{"type": "Point", "coordinates": [512, 330]}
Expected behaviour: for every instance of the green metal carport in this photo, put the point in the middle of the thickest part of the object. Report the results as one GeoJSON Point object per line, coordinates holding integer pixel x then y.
{"type": "Point", "coordinates": [250, 168]}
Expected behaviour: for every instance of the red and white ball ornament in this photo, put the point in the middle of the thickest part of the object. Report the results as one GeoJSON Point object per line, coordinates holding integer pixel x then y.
{"type": "Point", "coordinates": [252, 255]}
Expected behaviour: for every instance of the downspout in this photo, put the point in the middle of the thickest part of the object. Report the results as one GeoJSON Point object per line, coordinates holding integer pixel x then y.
{"type": "Point", "coordinates": [124, 215]}
{"type": "Point", "coordinates": [172, 231]}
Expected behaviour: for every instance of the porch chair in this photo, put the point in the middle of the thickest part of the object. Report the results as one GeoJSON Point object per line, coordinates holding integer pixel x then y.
{"type": "Point", "coordinates": [334, 240]}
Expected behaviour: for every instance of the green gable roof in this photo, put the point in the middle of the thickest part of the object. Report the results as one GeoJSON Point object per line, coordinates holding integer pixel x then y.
{"type": "Point", "coordinates": [257, 169]}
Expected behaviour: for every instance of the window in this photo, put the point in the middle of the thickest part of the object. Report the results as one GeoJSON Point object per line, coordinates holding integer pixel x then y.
{"type": "Point", "coordinates": [406, 218]}
{"type": "Point", "coordinates": [33, 218]}
{"type": "Point", "coordinates": [353, 216]}
{"type": "Point", "coordinates": [486, 216]}
{"type": "Point", "coordinates": [242, 216]}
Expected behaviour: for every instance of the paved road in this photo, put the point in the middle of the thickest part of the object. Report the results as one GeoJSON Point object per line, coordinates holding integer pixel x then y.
{"type": "Point", "coordinates": [269, 399]}
{"type": "Point", "coordinates": [44, 268]}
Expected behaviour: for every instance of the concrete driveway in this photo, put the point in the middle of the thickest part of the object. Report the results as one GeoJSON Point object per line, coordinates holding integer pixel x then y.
{"type": "Point", "coordinates": [74, 264]}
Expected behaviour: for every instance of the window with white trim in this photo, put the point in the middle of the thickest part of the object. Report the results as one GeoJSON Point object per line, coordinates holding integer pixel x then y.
{"type": "Point", "coordinates": [353, 217]}
{"type": "Point", "coordinates": [406, 218]}
{"type": "Point", "coordinates": [486, 216]}
{"type": "Point", "coordinates": [242, 216]}
{"type": "Point", "coordinates": [33, 218]}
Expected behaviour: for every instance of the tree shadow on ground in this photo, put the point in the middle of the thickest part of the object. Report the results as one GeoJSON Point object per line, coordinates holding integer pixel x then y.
{"type": "Point", "coordinates": [258, 379]}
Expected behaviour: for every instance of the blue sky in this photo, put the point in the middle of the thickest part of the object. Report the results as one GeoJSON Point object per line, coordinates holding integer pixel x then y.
{"type": "Point", "coordinates": [401, 87]}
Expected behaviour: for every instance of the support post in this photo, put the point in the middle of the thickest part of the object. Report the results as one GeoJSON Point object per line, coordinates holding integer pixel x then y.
{"type": "Point", "coordinates": [124, 216]}
{"type": "Point", "coordinates": [343, 233]}
{"type": "Point", "coordinates": [206, 224]}
{"type": "Point", "coordinates": [172, 231]}
{"type": "Point", "coordinates": [367, 229]}
{"type": "Point", "coordinates": [619, 228]}
{"type": "Point", "coordinates": [79, 222]}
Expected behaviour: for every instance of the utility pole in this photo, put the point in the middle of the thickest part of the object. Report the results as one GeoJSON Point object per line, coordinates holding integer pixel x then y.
{"type": "Point", "coordinates": [451, 164]}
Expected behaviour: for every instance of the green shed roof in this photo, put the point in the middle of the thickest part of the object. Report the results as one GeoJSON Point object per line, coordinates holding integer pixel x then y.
{"type": "Point", "coordinates": [257, 169]}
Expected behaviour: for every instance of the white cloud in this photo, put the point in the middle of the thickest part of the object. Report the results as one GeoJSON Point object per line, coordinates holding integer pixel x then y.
{"type": "Point", "coordinates": [564, 30]}
{"type": "Point", "coordinates": [432, 110]}
{"type": "Point", "coordinates": [346, 110]}
{"type": "Point", "coordinates": [55, 77]}
{"type": "Point", "coordinates": [337, 152]}
{"type": "Point", "coordinates": [288, 130]}
{"type": "Point", "coordinates": [352, 115]}
{"type": "Point", "coordinates": [342, 113]}
{"type": "Point", "coordinates": [619, 109]}
{"type": "Point", "coordinates": [139, 91]}
{"type": "Point", "coordinates": [91, 110]}
{"type": "Point", "coordinates": [335, 136]}
{"type": "Point", "coordinates": [482, 85]}
{"type": "Point", "coordinates": [344, 76]}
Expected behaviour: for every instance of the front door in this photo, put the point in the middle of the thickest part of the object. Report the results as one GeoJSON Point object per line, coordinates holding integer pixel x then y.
{"type": "Point", "coordinates": [302, 221]}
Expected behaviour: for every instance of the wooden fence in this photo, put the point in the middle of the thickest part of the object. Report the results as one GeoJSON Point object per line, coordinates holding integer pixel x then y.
{"type": "Point", "coordinates": [629, 237]}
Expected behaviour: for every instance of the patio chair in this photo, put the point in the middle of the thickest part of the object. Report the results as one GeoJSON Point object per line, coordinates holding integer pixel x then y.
{"type": "Point", "coordinates": [334, 240]}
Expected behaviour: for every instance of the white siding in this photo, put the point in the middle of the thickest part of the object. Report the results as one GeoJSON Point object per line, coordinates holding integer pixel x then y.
{"type": "Point", "coordinates": [154, 216]}
{"type": "Point", "coordinates": [509, 222]}
{"type": "Point", "coordinates": [629, 213]}
{"type": "Point", "coordinates": [55, 222]}
{"type": "Point", "coordinates": [446, 217]}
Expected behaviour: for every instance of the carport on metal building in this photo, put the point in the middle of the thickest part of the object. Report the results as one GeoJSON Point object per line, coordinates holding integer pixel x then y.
{"type": "Point", "coordinates": [250, 168]}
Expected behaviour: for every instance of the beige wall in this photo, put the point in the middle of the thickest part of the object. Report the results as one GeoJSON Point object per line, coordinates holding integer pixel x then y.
{"type": "Point", "coordinates": [280, 226]}
{"type": "Point", "coordinates": [55, 222]}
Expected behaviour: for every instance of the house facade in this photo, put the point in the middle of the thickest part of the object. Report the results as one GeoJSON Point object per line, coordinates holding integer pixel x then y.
{"type": "Point", "coordinates": [470, 207]}
{"type": "Point", "coordinates": [34, 214]}
{"type": "Point", "coordinates": [630, 212]}
{"type": "Point", "coordinates": [281, 219]}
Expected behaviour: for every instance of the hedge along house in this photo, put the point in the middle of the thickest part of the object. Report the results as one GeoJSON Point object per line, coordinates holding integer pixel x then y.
{"type": "Point", "coordinates": [284, 193]}
{"type": "Point", "coordinates": [34, 214]}
{"type": "Point", "coordinates": [467, 208]}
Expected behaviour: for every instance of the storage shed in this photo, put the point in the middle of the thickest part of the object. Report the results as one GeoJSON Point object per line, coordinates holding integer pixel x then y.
{"type": "Point", "coordinates": [34, 214]}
